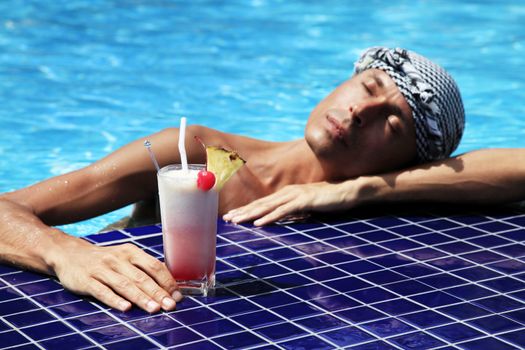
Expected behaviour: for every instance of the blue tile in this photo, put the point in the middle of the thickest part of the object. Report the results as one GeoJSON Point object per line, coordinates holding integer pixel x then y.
{"type": "Point", "coordinates": [311, 248]}
{"type": "Point", "coordinates": [96, 320]}
{"type": "Point", "coordinates": [73, 341]}
{"type": "Point", "coordinates": [5, 269]}
{"type": "Point", "coordinates": [150, 241]}
{"type": "Point", "coordinates": [108, 334]}
{"type": "Point", "coordinates": [234, 276]}
{"type": "Point", "coordinates": [400, 244]}
{"type": "Point", "coordinates": [260, 244]}
{"type": "Point", "coordinates": [518, 315]}
{"type": "Point", "coordinates": [510, 266]}
{"type": "Point", "coordinates": [383, 277]}
{"type": "Point", "coordinates": [516, 337]}
{"type": "Point", "coordinates": [387, 327]}
{"type": "Point", "coordinates": [107, 237]}
{"type": "Point", "coordinates": [297, 310]}
{"type": "Point", "coordinates": [391, 260]}
{"type": "Point", "coordinates": [513, 250]}
{"type": "Point", "coordinates": [423, 254]}
{"type": "Point", "coordinates": [483, 257]}
{"type": "Point", "coordinates": [280, 332]}
{"type": "Point", "coordinates": [375, 345]}
{"type": "Point", "coordinates": [346, 242]}
{"type": "Point", "coordinates": [176, 336]}
{"type": "Point", "coordinates": [347, 336]}
{"type": "Point", "coordinates": [435, 299]}
{"type": "Point", "coordinates": [464, 311]}
{"type": "Point", "coordinates": [321, 323]}
{"type": "Point", "coordinates": [426, 319]}
{"type": "Point", "coordinates": [230, 250]}
{"type": "Point", "coordinates": [387, 221]}
{"type": "Point", "coordinates": [189, 317]}
{"type": "Point", "coordinates": [309, 342]}
{"type": "Point", "coordinates": [324, 273]}
{"type": "Point", "coordinates": [336, 257]}
{"type": "Point", "coordinates": [74, 309]}
{"type": "Point", "coordinates": [372, 295]}
{"type": "Point", "coordinates": [489, 241]}
{"type": "Point", "coordinates": [29, 318]}
{"type": "Point", "coordinates": [520, 221]}
{"type": "Point", "coordinates": [201, 345]}
{"type": "Point", "coordinates": [40, 287]}
{"type": "Point", "coordinates": [257, 319]}
{"type": "Point", "coordinates": [326, 233]}
{"type": "Point", "coordinates": [310, 292]}
{"type": "Point", "coordinates": [241, 236]}
{"type": "Point", "coordinates": [15, 306]}
{"type": "Point", "coordinates": [55, 298]}
{"type": "Point", "coordinates": [397, 306]}
{"type": "Point", "coordinates": [4, 326]}
{"type": "Point", "coordinates": [293, 239]}
{"type": "Point", "coordinates": [469, 291]}
{"type": "Point", "coordinates": [335, 302]}
{"type": "Point", "coordinates": [288, 281]}
{"type": "Point", "coordinates": [47, 330]}
{"type": "Point", "coordinates": [499, 303]}
{"type": "Point", "coordinates": [359, 266]}
{"type": "Point", "coordinates": [377, 236]}
{"type": "Point", "coordinates": [135, 313]}
{"type": "Point", "coordinates": [280, 254]}
{"type": "Point", "coordinates": [465, 232]}
{"type": "Point", "coordinates": [252, 288]}
{"type": "Point", "coordinates": [470, 219]}
{"type": "Point", "coordinates": [135, 343]}
{"type": "Point", "coordinates": [155, 324]}
{"type": "Point", "coordinates": [276, 298]}
{"type": "Point", "coordinates": [416, 270]}
{"type": "Point", "coordinates": [439, 224]}
{"type": "Point", "coordinates": [408, 287]}
{"type": "Point", "coordinates": [442, 280]}
{"type": "Point", "coordinates": [26, 347]}
{"type": "Point", "coordinates": [235, 307]}
{"type": "Point", "coordinates": [356, 227]}
{"type": "Point", "coordinates": [495, 324]}
{"type": "Point", "coordinates": [348, 284]}
{"type": "Point", "coordinates": [417, 341]}
{"type": "Point", "coordinates": [16, 279]}
{"type": "Point", "coordinates": [145, 230]}
{"type": "Point", "coordinates": [9, 294]}
{"type": "Point", "coordinates": [360, 314]}
{"type": "Point", "coordinates": [302, 263]}
{"type": "Point", "coordinates": [486, 343]}
{"type": "Point", "coordinates": [216, 328]}
{"type": "Point", "coordinates": [433, 238]}
{"type": "Point", "coordinates": [515, 235]}
{"type": "Point", "coordinates": [494, 226]}
{"type": "Point", "coordinates": [476, 273]}
{"type": "Point", "coordinates": [409, 230]}
{"type": "Point", "coordinates": [247, 260]}
{"type": "Point", "coordinates": [12, 338]}
{"type": "Point", "coordinates": [504, 284]}
{"type": "Point", "coordinates": [239, 340]}
{"type": "Point", "coordinates": [368, 251]}
{"type": "Point", "coordinates": [456, 332]}
{"type": "Point", "coordinates": [457, 247]}
{"type": "Point", "coordinates": [273, 230]}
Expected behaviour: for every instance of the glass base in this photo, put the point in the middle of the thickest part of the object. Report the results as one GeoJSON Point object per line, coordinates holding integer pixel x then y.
{"type": "Point", "coordinates": [202, 287]}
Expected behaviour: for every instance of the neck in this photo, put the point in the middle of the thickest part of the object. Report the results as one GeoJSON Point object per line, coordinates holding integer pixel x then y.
{"type": "Point", "coordinates": [286, 163]}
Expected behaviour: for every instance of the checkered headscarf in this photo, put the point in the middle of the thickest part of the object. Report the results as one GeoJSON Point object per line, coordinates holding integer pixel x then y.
{"type": "Point", "coordinates": [430, 92]}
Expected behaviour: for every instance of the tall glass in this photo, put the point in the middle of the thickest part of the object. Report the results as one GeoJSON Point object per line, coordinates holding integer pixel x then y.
{"type": "Point", "coordinates": [189, 228]}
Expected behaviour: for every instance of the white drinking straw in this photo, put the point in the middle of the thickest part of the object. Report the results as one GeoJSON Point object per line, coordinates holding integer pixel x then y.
{"type": "Point", "coordinates": [147, 144]}
{"type": "Point", "coordinates": [182, 149]}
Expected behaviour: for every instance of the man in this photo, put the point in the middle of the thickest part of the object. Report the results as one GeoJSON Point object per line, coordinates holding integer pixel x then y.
{"type": "Point", "coordinates": [397, 110]}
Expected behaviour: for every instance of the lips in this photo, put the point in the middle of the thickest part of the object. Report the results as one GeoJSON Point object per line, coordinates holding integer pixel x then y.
{"type": "Point", "coordinates": [336, 129]}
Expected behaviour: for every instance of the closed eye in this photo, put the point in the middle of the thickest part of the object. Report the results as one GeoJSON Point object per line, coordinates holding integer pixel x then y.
{"type": "Point", "coordinates": [367, 89]}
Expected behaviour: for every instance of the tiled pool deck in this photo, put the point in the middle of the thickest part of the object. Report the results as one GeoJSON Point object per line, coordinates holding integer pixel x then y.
{"type": "Point", "coordinates": [368, 282]}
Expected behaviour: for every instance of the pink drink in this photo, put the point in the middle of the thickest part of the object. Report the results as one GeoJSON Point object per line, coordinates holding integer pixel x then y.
{"type": "Point", "coordinates": [189, 228]}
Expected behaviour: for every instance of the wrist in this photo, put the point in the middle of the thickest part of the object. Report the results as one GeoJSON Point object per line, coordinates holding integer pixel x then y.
{"type": "Point", "coordinates": [370, 189]}
{"type": "Point", "coordinates": [55, 248]}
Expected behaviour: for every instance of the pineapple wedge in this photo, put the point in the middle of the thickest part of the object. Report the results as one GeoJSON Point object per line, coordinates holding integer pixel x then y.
{"type": "Point", "coordinates": [222, 163]}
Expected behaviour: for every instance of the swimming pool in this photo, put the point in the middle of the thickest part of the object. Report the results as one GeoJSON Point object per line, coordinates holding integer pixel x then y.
{"type": "Point", "coordinates": [80, 78]}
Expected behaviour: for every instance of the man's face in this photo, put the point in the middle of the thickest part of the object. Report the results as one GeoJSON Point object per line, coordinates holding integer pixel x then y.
{"type": "Point", "coordinates": [364, 126]}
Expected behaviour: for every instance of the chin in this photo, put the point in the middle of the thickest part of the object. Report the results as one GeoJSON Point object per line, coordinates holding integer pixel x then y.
{"type": "Point", "coordinates": [318, 141]}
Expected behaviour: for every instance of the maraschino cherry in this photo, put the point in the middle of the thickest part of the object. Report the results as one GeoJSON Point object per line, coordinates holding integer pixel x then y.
{"type": "Point", "coordinates": [205, 180]}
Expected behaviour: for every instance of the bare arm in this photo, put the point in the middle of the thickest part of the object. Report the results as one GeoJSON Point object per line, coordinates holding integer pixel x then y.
{"type": "Point", "coordinates": [485, 176]}
{"type": "Point", "coordinates": [115, 275]}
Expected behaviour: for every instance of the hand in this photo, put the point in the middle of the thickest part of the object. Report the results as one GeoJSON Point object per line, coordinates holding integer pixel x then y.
{"type": "Point", "coordinates": [296, 199]}
{"type": "Point", "coordinates": [119, 276]}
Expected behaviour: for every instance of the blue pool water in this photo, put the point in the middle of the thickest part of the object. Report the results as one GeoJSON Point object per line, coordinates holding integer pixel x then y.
{"type": "Point", "coordinates": [80, 78]}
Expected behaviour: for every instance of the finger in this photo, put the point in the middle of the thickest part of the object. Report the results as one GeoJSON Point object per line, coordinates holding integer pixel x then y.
{"type": "Point", "coordinates": [257, 210]}
{"type": "Point", "coordinates": [127, 289]}
{"type": "Point", "coordinates": [107, 296]}
{"type": "Point", "coordinates": [277, 214]}
{"type": "Point", "coordinates": [148, 286]}
{"type": "Point", "coordinates": [158, 272]}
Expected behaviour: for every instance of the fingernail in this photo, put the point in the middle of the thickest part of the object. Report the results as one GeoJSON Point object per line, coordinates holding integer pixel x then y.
{"type": "Point", "coordinates": [227, 217]}
{"type": "Point", "coordinates": [123, 305]}
{"type": "Point", "coordinates": [168, 303]}
{"type": "Point", "coordinates": [177, 296]}
{"type": "Point", "coordinates": [151, 306]}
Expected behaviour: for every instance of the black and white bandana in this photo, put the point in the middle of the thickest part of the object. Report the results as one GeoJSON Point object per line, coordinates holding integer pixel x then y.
{"type": "Point", "coordinates": [431, 93]}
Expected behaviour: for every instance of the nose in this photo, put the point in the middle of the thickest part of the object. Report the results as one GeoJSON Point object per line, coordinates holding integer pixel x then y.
{"type": "Point", "coordinates": [367, 111]}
